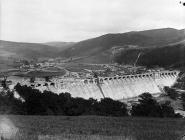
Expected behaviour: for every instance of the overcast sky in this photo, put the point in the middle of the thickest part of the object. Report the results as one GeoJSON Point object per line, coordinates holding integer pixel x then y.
{"type": "Point", "coordinates": [75, 20]}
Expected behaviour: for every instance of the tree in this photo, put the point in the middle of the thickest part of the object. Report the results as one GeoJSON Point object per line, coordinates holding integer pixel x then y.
{"type": "Point", "coordinates": [9, 104]}
{"type": "Point", "coordinates": [167, 110]}
{"type": "Point", "coordinates": [32, 97]}
{"type": "Point", "coordinates": [110, 107]}
{"type": "Point", "coordinates": [149, 107]}
{"type": "Point", "coordinates": [172, 93]}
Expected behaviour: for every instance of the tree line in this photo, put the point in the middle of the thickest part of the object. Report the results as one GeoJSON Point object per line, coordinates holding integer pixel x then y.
{"type": "Point", "coordinates": [48, 103]}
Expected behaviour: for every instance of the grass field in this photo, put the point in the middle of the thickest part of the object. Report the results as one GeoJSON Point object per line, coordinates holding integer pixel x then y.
{"type": "Point", "coordinates": [94, 128]}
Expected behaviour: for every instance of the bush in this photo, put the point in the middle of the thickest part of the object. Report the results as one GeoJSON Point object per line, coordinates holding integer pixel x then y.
{"type": "Point", "coordinates": [48, 103]}
{"type": "Point", "coordinates": [9, 104]}
{"type": "Point", "coordinates": [148, 107]}
{"type": "Point", "coordinates": [172, 93]}
{"type": "Point", "coordinates": [109, 107]}
{"type": "Point", "coordinates": [77, 106]}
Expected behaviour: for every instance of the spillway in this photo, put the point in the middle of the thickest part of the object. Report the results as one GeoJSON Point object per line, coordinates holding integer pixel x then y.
{"type": "Point", "coordinates": [118, 87]}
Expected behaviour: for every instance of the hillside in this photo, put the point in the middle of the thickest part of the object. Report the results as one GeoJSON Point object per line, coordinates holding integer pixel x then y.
{"type": "Point", "coordinates": [125, 46]}
{"type": "Point", "coordinates": [10, 51]}
{"type": "Point", "coordinates": [166, 56]}
{"type": "Point", "coordinates": [61, 45]}
{"type": "Point", "coordinates": [26, 50]}
{"type": "Point", "coordinates": [104, 44]}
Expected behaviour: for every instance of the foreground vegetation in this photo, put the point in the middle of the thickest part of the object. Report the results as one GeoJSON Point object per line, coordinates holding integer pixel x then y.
{"type": "Point", "coordinates": [47, 116]}
{"type": "Point", "coordinates": [96, 127]}
{"type": "Point", "coordinates": [33, 102]}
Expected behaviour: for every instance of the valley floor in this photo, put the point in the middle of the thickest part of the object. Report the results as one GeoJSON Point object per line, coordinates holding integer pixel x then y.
{"type": "Point", "coordinates": [90, 128]}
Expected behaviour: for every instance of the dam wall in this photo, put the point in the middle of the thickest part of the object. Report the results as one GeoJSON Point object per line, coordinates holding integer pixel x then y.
{"type": "Point", "coordinates": [117, 87]}
{"type": "Point", "coordinates": [122, 87]}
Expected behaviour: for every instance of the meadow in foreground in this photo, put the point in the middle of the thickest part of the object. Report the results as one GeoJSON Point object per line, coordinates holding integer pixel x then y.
{"type": "Point", "coordinates": [95, 128]}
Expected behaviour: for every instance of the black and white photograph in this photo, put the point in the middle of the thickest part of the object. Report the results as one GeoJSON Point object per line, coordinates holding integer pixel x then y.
{"type": "Point", "coordinates": [92, 69]}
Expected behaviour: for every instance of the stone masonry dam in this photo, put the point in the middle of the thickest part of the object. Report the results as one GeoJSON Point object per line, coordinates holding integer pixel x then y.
{"type": "Point", "coordinates": [118, 87]}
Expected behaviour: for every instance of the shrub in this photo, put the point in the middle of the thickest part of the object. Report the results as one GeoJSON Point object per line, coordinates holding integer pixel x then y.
{"type": "Point", "coordinates": [172, 93]}
{"type": "Point", "coordinates": [48, 103]}
{"type": "Point", "coordinates": [149, 107]}
{"type": "Point", "coordinates": [77, 106]}
{"type": "Point", "coordinates": [9, 104]}
{"type": "Point", "coordinates": [109, 107]}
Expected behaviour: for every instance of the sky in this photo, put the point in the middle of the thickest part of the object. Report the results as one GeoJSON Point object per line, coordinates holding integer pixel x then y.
{"type": "Point", "coordinates": [76, 20]}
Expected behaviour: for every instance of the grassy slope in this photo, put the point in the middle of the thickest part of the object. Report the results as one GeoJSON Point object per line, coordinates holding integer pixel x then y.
{"type": "Point", "coordinates": [149, 38]}
{"type": "Point", "coordinates": [10, 51]}
{"type": "Point", "coordinates": [95, 50]}
{"type": "Point", "coordinates": [97, 128]}
{"type": "Point", "coordinates": [99, 49]}
{"type": "Point", "coordinates": [27, 50]}
{"type": "Point", "coordinates": [167, 56]}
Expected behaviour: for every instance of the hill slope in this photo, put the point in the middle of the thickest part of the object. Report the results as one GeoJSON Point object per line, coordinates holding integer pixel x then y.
{"type": "Point", "coordinates": [10, 51]}
{"type": "Point", "coordinates": [26, 50]}
{"type": "Point", "coordinates": [167, 56]}
{"type": "Point", "coordinates": [148, 39]}
{"type": "Point", "coordinates": [61, 45]}
{"type": "Point", "coordinates": [126, 46]}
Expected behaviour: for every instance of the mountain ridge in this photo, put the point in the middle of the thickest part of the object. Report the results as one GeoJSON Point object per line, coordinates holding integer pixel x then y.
{"type": "Point", "coordinates": [147, 38]}
{"type": "Point", "coordinates": [95, 50]}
